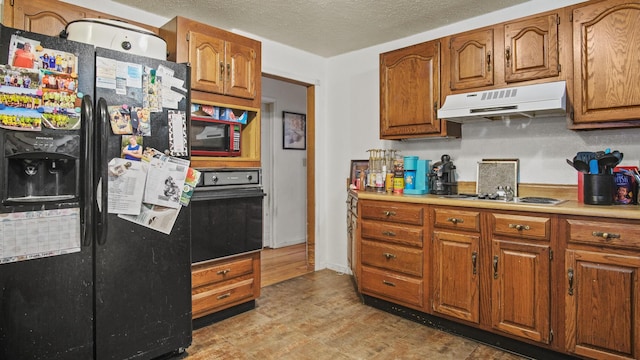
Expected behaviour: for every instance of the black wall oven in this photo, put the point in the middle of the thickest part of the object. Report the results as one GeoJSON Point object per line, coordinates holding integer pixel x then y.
{"type": "Point", "coordinates": [226, 214]}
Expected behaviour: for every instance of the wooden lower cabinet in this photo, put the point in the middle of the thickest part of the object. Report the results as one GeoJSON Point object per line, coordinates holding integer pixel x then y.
{"type": "Point", "coordinates": [521, 275]}
{"type": "Point", "coordinates": [456, 257]}
{"type": "Point", "coordinates": [391, 261]}
{"type": "Point", "coordinates": [602, 289]}
{"type": "Point", "coordinates": [557, 286]}
{"type": "Point", "coordinates": [217, 285]}
{"type": "Point", "coordinates": [456, 284]}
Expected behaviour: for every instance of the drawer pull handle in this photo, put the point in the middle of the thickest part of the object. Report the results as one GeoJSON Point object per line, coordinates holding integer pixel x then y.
{"type": "Point", "coordinates": [224, 296]}
{"type": "Point", "coordinates": [605, 235]}
{"type": "Point", "coordinates": [495, 266]}
{"type": "Point", "coordinates": [389, 213]}
{"type": "Point", "coordinates": [570, 276]}
{"type": "Point", "coordinates": [388, 283]}
{"type": "Point", "coordinates": [519, 227]}
{"type": "Point", "coordinates": [455, 220]}
{"type": "Point", "coordinates": [389, 256]}
{"type": "Point", "coordinates": [474, 260]}
{"type": "Point", "coordinates": [388, 233]}
{"type": "Point", "coordinates": [224, 272]}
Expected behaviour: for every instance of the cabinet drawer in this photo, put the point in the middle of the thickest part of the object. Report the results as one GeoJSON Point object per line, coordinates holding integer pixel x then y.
{"type": "Point", "coordinates": [392, 285]}
{"type": "Point", "coordinates": [392, 257]}
{"type": "Point", "coordinates": [402, 234]}
{"type": "Point", "coordinates": [212, 273]}
{"type": "Point", "coordinates": [456, 219]}
{"type": "Point", "coordinates": [395, 212]}
{"type": "Point", "coordinates": [607, 233]}
{"type": "Point", "coordinates": [209, 298]}
{"type": "Point", "coordinates": [522, 226]}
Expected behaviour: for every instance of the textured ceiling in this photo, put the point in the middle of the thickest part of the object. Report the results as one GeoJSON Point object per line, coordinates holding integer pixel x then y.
{"type": "Point", "coordinates": [325, 27]}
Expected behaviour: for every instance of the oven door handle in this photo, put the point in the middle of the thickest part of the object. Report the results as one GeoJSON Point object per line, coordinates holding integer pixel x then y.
{"type": "Point", "coordinates": [220, 195]}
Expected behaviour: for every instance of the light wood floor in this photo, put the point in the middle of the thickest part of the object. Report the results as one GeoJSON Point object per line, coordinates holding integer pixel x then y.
{"type": "Point", "coordinates": [282, 264]}
{"type": "Point", "coordinates": [319, 316]}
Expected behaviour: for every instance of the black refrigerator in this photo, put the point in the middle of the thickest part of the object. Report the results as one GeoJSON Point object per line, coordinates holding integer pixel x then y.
{"type": "Point", "coordinates": [120, 290]}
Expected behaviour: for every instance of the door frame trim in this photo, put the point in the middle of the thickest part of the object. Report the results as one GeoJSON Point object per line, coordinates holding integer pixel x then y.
{"type": "Point", "coordinates": [311, 169]}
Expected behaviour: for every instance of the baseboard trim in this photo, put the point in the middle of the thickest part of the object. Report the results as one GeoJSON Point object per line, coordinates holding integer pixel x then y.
{"type": "Point", "coordinates": [485, 337]}
{"type": "Point", "coordinates": [223, 314]}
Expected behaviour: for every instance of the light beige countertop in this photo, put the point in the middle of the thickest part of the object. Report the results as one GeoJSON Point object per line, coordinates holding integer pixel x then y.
{"type": "Point", "coordinates": [569, 207]}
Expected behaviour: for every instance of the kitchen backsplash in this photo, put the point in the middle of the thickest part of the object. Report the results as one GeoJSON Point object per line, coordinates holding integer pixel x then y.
{"type": "Point", "coordinates": [542, 147]}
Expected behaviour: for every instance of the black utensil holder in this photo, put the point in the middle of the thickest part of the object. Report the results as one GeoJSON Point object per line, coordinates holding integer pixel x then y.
{"type": "Point", "coordinates": [598, 189]}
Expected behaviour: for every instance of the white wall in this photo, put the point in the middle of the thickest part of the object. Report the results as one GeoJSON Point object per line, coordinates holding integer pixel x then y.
{"type": "Point", "coordinates": [347, 116]}
{"type": "Point", "coordinates": [288, 168]}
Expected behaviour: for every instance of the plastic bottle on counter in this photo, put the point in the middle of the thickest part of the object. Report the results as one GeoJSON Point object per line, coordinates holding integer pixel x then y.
{"type": "Point", "coordinates": [389, 182]}
{"type": "Point", "coordinates": [398, 177]}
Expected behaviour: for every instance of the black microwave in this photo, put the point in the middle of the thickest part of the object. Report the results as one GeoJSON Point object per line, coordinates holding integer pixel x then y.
{"type": "Point", "coordinates": [214, 137]}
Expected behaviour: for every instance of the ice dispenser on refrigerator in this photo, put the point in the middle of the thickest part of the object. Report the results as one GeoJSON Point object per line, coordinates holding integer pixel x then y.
{"type": "Point", "coordinates": [40, 167]}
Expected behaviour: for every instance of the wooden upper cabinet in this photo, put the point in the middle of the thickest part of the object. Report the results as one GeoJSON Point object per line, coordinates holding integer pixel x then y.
{"type": "Point", "coordinates": [606, 48]}
{"type": "Point", "coordinates": [410, 93]}
{"type": "Point", "coordinates": [206, 55]}
{"type": "Point", "coordinates": [225, 67]}
{"type": "Point", "coordinates": [50, 17]}
{"type": "Point", "coordinates": [471, 60]}
{"type": "Point", "coordinates": [222, 67]}
{"type": "Point", "coordinates": [241, 70]}
{"type": "Point", "coordinates": [531, 49]}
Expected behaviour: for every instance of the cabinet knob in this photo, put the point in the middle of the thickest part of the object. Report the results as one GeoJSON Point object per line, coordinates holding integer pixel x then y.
{"type": "Point", "coordinates": [389, 256]}
{"type": "Point", "coordinates": [224, 272]}
{"type": "Point", "coordinates": [389, 213]}
{"type": "Point", "coordinates": [519, 227]}
{"type": "Point", "coordinates": [605, 235]}
{"type": "Point", "coordinates": [388, 283]}
{"type": "Point", "coordinates": [388, 233]}
{"type": "Point", "coordinates": [455, 220]}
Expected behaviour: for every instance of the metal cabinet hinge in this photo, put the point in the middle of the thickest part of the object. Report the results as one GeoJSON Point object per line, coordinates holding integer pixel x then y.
{"type": "Point", "coordinates": [557, 20]}
{"type": "Point", "coordinates": [187, 36]}
{"type": "Point", "coordinates": [550, 254]}
{"type": "Point", "coordinates": [551, 336]}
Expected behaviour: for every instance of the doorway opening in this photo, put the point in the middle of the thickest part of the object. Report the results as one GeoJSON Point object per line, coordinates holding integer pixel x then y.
{"type": "Point", "coordinates": [280, 264]}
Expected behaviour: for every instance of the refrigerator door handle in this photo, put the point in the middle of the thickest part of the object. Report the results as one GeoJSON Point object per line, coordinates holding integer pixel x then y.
{"type": "Point", "coordinates": [101, 169]}
{"type": "Point", "coordinates": [86, 116]}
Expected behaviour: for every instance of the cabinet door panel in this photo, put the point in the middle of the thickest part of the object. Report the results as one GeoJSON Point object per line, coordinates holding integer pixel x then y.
{"type": "Point", "coordinates": [520, 301]}
{"type": "Point", "coordinates": [241, 70]}
{"type": "Point", "coordinates": [606, 48]}
{"type": "Point", "coordinates": [602, 305]}
{"type": "Point", "coordinates": [531, 49]}
{"type": "Point", "coordinates": [472, 60]}
{"type": "Point", "coordinates": [455, 280]}
{"type": "Point", "coordinates": [410, 90]}
{"type": "Point", "coordinates": [50, 18]}
{"type": "Point", "coordinates": [206, 55]}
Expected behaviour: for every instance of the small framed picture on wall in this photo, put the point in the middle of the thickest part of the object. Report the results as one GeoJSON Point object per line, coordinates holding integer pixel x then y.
{"type": "Point", "coordinates": [294, 131]}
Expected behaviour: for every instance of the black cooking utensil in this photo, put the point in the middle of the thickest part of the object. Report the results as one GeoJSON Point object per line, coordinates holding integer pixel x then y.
{"type": "Point", "coordinates": [607, 162]}
{"type": "Point", "coordinates": [581, 166]}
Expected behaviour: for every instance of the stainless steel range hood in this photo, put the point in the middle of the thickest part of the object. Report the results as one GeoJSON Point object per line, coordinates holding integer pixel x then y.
{"type": "Point", "coordinates": [529, 101]}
